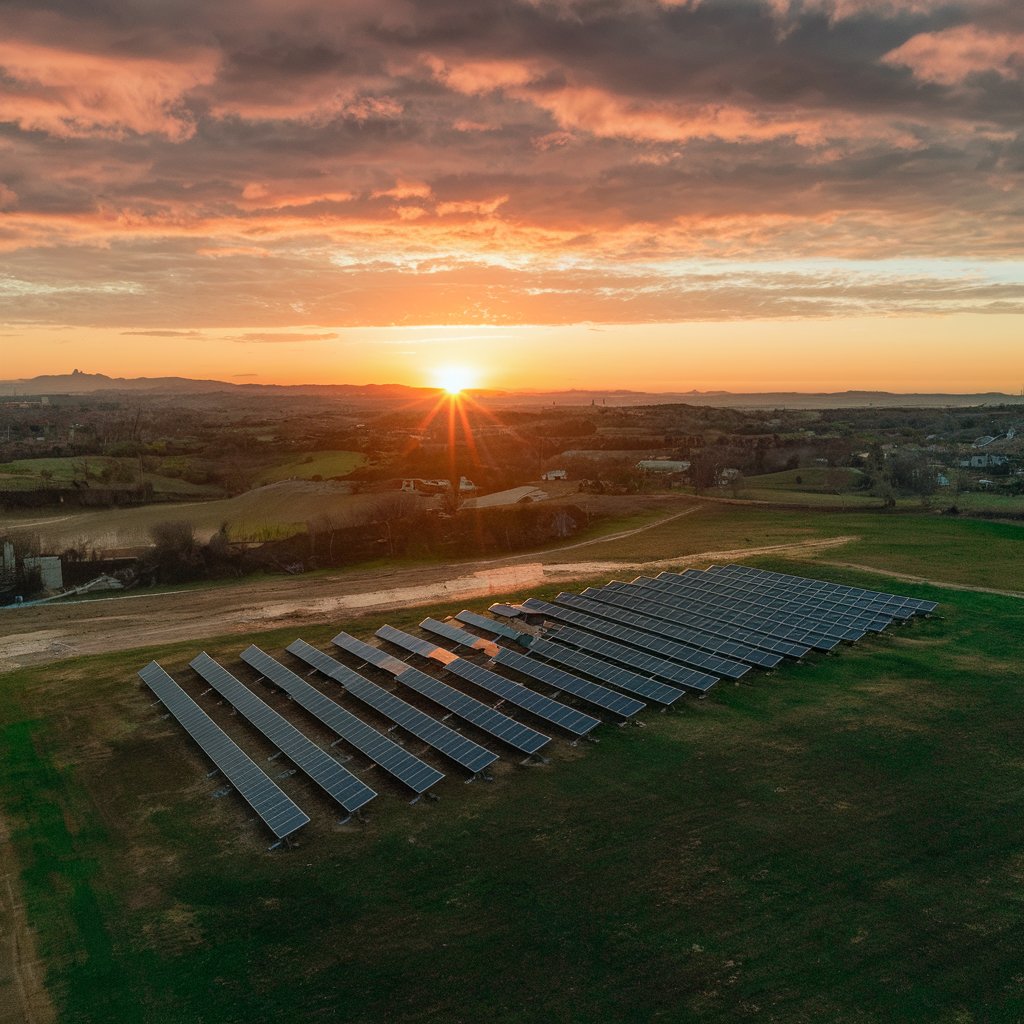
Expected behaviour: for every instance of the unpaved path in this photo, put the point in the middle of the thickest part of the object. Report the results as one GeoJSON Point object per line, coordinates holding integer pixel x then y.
{"type": "Point", "coordinates": [923, 579]}
{"type": "Point", "coordinates": [23, 999]}
{"type": "Point", "coordinates": [49, 633]}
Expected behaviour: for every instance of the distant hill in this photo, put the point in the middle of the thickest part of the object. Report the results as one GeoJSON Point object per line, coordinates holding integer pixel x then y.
{"type": "Point", "coordinates": [79, 382]}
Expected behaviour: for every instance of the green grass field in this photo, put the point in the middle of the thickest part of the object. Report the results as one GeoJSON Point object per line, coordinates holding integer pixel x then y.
{"type": "Point", "coordinates": [836, 841]}
{"type": "Point", "coordinates": [29, 474]}
{"type": "Point", "coordinates": [829, 487]}
{"type": "Point", "coordinates": [321, 464]}
{"type": "Point", "coordinates": [816, 478]}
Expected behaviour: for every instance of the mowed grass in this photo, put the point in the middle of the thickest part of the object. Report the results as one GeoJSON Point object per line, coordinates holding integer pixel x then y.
{"type": "Point", "coordinates": [792, 496]}
{"type": "Point", "coordinates": [971, 552]}
{"type": "Point", "coordinates": [815, 478]}
{"type": "Point", "coordinates": [321, 464]}
{"type": "Point", "coordinates": [835, 841]}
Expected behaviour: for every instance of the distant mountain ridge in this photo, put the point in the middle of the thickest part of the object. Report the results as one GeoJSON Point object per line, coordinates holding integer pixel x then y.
{"type": "Point", "coordinates": [79, 382]}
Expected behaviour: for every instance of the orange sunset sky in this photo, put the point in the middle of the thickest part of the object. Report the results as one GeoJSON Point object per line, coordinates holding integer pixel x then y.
{"type": "Point", "coordinates": [737, 194]}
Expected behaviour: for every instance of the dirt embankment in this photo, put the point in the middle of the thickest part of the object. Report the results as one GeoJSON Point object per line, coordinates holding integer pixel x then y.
{"type": "Point", "coordinates": [34, 636]}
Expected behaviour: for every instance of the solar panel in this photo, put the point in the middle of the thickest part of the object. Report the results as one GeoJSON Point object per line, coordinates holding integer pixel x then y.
{"type": "Point", "coordinates": [730, 610]}
{"type": "Point", "coordinates": [898, 603]}
{"type": "Point", "coordinates": [802, 618]}
{"type": "Point", "coordinates": [731, 652]}
{"type": "Point", "coordinates": [688, 678]}
{"type": "Point", "coordinates": [457, 635]}
{"type": "Point", "coordinates": [452, 744]}
{"type": "Point", "coordinates": [514, 693]}
{"type": "Point", "coordinates": [500, 726]}
{"type": "Point", "coordinates": [675, 611]}
{"type": "Point", "coordinates": [747, 595]}
{"type": "Point", "coordinates": [592, 693]}
{"type": "Point", "coordinates": [369, 654]}
{"type": "Point", "coordinates": [395, 760]}
{"type": "Point", "coordinates": [277, 810]}
{"type": "Point", "coordinates": [607, 672]}
{"type": "Point", "coordinates": [424, 648]}
{"type": "Point", "coordinates": [799, 599]}
{"type": "Point", "coordinates": [498, 629]}
{"type": "Point", "coordinates": [668, 649]}
{"type": "Point", "coordinates": [334, 779]}
{"type": "Point", "coordinates": [673, 631]}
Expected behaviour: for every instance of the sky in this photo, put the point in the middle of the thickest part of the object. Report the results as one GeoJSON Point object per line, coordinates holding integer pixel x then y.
{"type": "Point", "coordinates": [649, 194]}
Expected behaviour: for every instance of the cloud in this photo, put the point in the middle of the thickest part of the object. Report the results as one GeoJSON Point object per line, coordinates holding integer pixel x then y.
{"type": "Point", "coordinates": [950, 56]}
{"type": "Point", "coordinates": [164, 334]}
{"type": "Point", "coordinates": [75, 93]}
{"type": "Point", "coordinates": [279, 337]}
{"type": "Point", "coordinates": [179, 166]}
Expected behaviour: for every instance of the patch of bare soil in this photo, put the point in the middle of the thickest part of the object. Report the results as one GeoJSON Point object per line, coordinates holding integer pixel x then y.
{"type": "Point", "coordinates": [49, 633]}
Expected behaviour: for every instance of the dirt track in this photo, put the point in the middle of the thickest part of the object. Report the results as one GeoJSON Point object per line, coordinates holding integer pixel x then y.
{"type": "Point", "coordinates": [49, 633]}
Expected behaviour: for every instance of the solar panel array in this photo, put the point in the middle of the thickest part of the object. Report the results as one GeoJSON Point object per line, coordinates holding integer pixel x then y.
{"type": "Point", "coordinates": [592, 693]}
{"type": "Point", "coordinates": [567, 718]}
{"type": "Point", "coordinates": [508, 730]}
{"type": "Point", "coordinates": [453, 745]}
{"type": "Point", "coordinates": [395, 760]}
{"type": "Point", "coordinates": [682, 653]}
{"type": "Point", "coordinates": [683, 634]}
{"type": "Point", "coordinates": [277, 810]}
{"type": "Point", "coordinates": [615, 675]}
{"type": "Point", "coordinates": [336, 780]}
{"type": "Point", "coordinates": [617, 649]}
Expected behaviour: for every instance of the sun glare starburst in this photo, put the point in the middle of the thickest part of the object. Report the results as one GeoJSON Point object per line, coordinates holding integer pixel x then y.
{"type": "Point", "coordinates": [454, 379]}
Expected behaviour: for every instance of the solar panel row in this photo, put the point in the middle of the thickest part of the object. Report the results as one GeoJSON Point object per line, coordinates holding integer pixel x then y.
{"type": "Point", "coordinates": [614, 675]}
{"type": "Point", "coordinates": [471, 756]}
{"type": "Point", "coordinates": [694, 637]}
{"type": "Point", "coordinates": [456, 635]}
{"type": "Point", "coordinates": [798, 602]}
{"type": "Point", "coordinates": [682, 653]}
{"type": "Point", "coordinates": [369, 654]}
{"type": "Point", "coordinates": [573, 721]}
{"type": "Point", "coordinates": [701, 583]}
{"type": "Point", "coordinates": [491, 721]}
{"type": "Point", "coordinates": [335, 780]}
{"type": "Point", "coordinates": [493, 627]}
{"type": "Point", "coordinates": [687, 678]}
{"type": "Point", "coordinates": [413, 644]}
{"type": "Point", "coordinates": [675, 611]}
{"type": "Point", "coordinates": [593, 693]}
{"type": "Point", "coordinates": [277, 810]}
{"type": "Point", "coordinates": [395, 760]}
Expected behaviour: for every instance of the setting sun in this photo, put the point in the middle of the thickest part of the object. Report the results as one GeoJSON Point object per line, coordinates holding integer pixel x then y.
{"type": "Point", "coordinates": [454, 379]}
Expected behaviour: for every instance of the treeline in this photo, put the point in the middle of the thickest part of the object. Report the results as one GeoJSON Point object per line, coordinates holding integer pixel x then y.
{"type": "Point", "coordinates": [393, 529]}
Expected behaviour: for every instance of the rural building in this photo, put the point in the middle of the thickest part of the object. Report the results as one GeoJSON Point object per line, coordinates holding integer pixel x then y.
{"type": "Point", "coordinates": [555, 474]}
{"type": "Point", "coordinates": [49, 568]}
{"type": "Point", "coordinates": [417, 485]}
{"type": "Point", "coordinates": [984, 461]}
